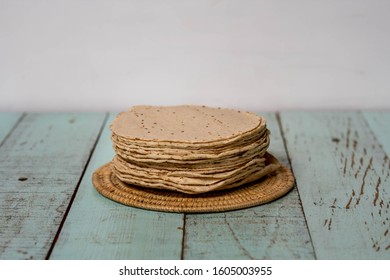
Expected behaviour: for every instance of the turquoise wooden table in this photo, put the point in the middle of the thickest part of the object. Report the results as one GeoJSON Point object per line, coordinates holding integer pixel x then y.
{"type": "Point", "coordinates": [339, 208]}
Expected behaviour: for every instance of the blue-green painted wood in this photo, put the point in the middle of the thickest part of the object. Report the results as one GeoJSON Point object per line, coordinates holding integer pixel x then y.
{"type": "Point", "coordinates": [98, 228]}
{"type": "Point", "coordinates": [7, 122]}
{"type": "Point", "coordinates": [380, 125]}
{"type": "Point", "coordinates": [342, 175]}
{"type": "Point", "coordinates": [41, 164]}
{"type": "Point", "coordinates": [273, 231]}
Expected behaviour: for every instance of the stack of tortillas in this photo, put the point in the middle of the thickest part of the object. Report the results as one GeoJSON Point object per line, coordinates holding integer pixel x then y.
{"type": "Point", "coordinates": [191, 159]}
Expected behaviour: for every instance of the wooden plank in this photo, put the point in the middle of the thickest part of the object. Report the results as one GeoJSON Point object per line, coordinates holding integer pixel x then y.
{"type": "Point", "coordinates": [379, 124]}
{"type": "Point", "coordinates": [273, 231]}
{"type": "Point", "coordinates": [98, 228]}
{"type": "Point", "coordinates": [41, 164]}
{"type": "Point", "coordinates": [8, 120]}
{"type": "Point", "coordinates": [342, 175]}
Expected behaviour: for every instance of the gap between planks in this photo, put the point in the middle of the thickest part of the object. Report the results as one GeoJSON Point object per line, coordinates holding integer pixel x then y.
{"type": "Point", "coordinates": [98, 228]}
{"type": "Point", "coordinates": [7, 135]}
{"type": "Point", "coordinates": [47, 152]}
{"type": "Point", "coordinates": [341, 171]}
{"type": "Point", "coordinates": [77, 187]}
{"type": "Point", "coordinates": [279, 121]}
{"type": "Point", "coordinates": [276, 230]}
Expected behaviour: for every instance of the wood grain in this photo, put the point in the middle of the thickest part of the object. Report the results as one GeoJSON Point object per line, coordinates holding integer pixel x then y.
{"type": "Point", "coordinates": [273, 231]}
{"type": "Point", "coordinates": [340, 161]}
{"type": "Point", "coordinates": [8, 120]}
{"type": "Point", "coordinates": [98, 228]}
{"type": "Point", "coordinates": [41, 164]}
{"type": "Point", "coordinates": [342, 174]}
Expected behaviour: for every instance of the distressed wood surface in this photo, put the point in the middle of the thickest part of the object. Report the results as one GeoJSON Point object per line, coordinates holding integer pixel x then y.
{"type": "Point", "coordinates": [272, 231]}
{"type": "Point", "coordinates": [340, 161]}
{"type": "Point", "coordinates": [8, 120]}
{"type": "Point", "coordinates": [41, 164]}
{"type": "Point", "coordinates": [379, 123]}
{"type": "Point", "coordinates": [98, 228]}
{"type": "Point", "coordinates": [342, 174]}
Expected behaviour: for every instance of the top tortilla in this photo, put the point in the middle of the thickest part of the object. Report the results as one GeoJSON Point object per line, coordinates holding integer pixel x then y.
{"type": "Point", "coordinates": [183, 124]}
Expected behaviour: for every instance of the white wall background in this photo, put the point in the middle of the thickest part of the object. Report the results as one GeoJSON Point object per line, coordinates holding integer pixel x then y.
{"type": "Point", "coordinates": [255, 55]}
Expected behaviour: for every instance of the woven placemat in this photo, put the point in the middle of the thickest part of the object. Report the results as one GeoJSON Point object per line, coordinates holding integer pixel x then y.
{"type": "Point", "coordinates": [256, 193]}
